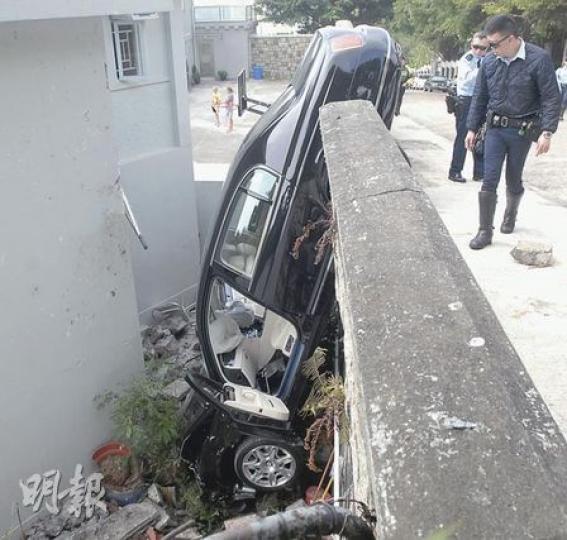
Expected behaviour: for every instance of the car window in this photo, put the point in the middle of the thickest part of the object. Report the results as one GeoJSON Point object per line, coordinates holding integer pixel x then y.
{"type": "Point", "coordinates": [246, 221]}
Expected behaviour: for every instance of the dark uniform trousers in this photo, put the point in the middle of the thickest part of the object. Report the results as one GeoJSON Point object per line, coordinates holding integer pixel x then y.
{"type": "Point", "coordinates": [459, 150]}
{"type": "Point", "coordinates": [504, 143]}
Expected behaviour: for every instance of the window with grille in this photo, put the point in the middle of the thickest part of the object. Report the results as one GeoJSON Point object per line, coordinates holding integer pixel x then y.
{"type": "Point", "coordinates": [127, 57]}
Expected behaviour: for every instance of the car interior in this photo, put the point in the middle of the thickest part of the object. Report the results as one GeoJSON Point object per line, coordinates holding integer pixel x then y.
{"type": "Point", "coordinates": [251, 343]}
{"type": "Point", "coordinates": [247, 219]}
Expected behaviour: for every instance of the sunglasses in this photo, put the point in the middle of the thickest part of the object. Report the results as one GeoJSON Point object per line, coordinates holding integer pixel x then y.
{"type": "Point", "coordinates": [479, 47]}
{"type": "Point", "coordinates": [497, 43]}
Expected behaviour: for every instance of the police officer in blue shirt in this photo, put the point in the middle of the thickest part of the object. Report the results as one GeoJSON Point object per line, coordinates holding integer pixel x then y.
{"type": "Point", "coordinates": [517, 93]}
{"type": "Point", "coordinates": [467, 70]}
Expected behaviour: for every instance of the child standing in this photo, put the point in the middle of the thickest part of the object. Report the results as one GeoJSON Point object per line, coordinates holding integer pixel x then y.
{"type": "Point", "coordinates": [229, 106]}
{"type": "Point", "coordinates": [216, 104]}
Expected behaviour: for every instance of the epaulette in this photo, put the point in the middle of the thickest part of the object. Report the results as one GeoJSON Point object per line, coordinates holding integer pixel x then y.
{"type": "Point", "coordinates": [469, 57]}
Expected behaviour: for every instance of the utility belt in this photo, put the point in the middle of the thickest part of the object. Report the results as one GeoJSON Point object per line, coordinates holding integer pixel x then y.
{"type": "Point", "coordinates": [528, 126]}
{"type": "Point", "coordinates": [454, 102]}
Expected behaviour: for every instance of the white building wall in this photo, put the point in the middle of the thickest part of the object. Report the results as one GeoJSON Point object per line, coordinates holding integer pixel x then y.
{"type": "Point", "coordinates": [68, 312]}
{"type": "Point", "coordinates": [232, 51]}
{"type": "Point", "coordinates": [152, 132]}
{"type": "Point", "coordinates": [143, 108]}
{"type": "Point", "coordinates": [163, 198]}
{"type": "Point", "coordinates": [143, 120]}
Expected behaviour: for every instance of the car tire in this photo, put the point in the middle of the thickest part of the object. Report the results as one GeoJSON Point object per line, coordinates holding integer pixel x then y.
{"type": "Point", "coordinates": [267, 464]}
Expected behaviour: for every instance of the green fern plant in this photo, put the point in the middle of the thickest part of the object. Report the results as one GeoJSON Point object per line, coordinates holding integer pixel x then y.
{"type": "Point", "coordinates": [326, 403]}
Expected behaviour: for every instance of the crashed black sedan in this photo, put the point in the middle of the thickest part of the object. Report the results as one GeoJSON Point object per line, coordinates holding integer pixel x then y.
{"type": "Point", "coordinates": [267, 283]}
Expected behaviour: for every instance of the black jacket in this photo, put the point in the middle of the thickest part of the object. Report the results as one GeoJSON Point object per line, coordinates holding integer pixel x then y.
{"type": "Point", "coordinates": [522, 88]}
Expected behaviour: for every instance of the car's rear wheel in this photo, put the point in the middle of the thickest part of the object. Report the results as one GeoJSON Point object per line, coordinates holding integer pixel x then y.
{"type": "Point", "coordinates": [266, 464]}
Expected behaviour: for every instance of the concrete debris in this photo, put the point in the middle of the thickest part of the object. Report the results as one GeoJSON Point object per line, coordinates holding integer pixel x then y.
{"type": "Point", "coordinates": [53, 526]}
{"type": "Point", "coordinates": [164, 520]}
{"type": "Point", "coordinates": [155, 495]}
{"type": "Point", "coordinates": [154, 333]}
{"type": "Point", "coordinates": [177, 325]}
{"type": "Point", "coordinates": [167, 345]}
{"type": "Point", "coordinates": [530, 253]}
{"type": "Point", "coordinates": [177, 389]}
{"type": "Point", "coordinates": [121, 525]}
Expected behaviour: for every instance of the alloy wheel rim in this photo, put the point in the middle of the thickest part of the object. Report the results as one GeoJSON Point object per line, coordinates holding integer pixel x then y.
{"type": "Point", "coordinates": [268, 466]}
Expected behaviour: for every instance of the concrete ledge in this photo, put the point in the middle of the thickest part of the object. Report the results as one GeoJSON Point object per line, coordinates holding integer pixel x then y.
{"type": "Point", "coordinates": [447, 427]}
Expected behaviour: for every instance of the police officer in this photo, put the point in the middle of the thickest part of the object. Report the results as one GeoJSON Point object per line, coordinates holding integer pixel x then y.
{"type": "Point", "coordinates": [517, 92]}
{"type": "Point", "coordinates": [467, 71]}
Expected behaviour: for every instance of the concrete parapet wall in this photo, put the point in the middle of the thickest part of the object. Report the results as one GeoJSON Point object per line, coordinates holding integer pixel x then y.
{"type": "Point", "coordinates": [448, 430]}
{"type": "Point", "coordinates": [279, 55]}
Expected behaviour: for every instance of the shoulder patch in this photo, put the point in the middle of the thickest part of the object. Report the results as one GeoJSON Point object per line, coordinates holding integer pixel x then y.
{"type": "Point", "coordinates": [469, 57]}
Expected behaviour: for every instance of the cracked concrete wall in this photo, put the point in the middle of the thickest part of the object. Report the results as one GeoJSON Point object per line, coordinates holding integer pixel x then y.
{"type": "Point", "coordinates": [69, 321]}
{"type": "Point", "coordinates": [448, 431]}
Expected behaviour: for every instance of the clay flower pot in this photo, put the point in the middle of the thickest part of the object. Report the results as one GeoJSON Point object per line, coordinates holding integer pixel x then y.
{"type": "Point", "coordinates": [111, 448]}
{"type": "Point", "coordinates": [122, 478]}
{"type": "Point", "coordinates": [113, 459]}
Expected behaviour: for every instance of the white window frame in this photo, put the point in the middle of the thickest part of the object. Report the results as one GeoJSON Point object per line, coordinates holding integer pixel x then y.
{"type": "Point", "coordinates": [117, 52]}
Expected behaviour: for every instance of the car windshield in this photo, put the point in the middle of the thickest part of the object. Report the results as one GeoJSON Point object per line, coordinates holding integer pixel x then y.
{"type": "Point", "coordinates": [246, 221]}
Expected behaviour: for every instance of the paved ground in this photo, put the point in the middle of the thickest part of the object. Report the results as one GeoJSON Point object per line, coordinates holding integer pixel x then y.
{"type": "Point", "coordinates": [531, 304]}
{"type": "Point", "coordinates": [213, 148]}
{"type": "Point", "coordinates": [546, 174]}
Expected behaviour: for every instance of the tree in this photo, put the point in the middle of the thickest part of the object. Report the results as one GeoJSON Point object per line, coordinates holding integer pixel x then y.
{"type": "Point", "coordinates": [544, 20]}
{"type": "Point", "coordinates": [442, 26]}
{"type": "Point", "coordinates": [313, 14]}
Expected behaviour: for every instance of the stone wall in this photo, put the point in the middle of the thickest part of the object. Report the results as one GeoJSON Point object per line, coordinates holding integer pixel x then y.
{"type": "Point", "coordinates": [279, 55]}
{"type": "Point", "coordinates": [447, 429]}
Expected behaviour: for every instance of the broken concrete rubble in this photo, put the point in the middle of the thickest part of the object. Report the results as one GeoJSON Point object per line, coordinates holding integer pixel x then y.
{"type": "Point", "coordinates": [171, 348]}
{"type": "Point", "coordinates": [121, 525]}
{"type": "Point", "coordinates": [167, 345]}
{"type": "Point", "coordinates": [52, 526]}
{"type": "Point", "coordinates": [531, 253]}
{"type": "Point", "coordinates": [177, 325]}
{"type": "Point", "coordinates": [155, 495]}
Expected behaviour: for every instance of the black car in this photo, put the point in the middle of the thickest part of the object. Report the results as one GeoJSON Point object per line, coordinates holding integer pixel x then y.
{"type": "Point", "coordinates": [267, 283]}
{"type": "Point", "coordinates": [436, 83]}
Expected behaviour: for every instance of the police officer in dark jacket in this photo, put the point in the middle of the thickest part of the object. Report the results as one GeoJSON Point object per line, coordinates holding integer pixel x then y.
{"type": "Point", "coordinates": [517, 93]}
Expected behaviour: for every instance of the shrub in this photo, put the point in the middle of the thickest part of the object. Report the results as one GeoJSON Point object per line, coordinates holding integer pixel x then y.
{"type": "Point", "coordinates": [222, 75]}
{"type": "Point", "coordinates": [150, 423]}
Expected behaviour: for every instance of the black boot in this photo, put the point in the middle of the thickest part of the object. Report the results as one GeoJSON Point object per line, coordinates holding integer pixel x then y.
{"type": "Point", "coordinates": [487, 206]}
{"type": "Point", "coordinates": [512, 204]}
